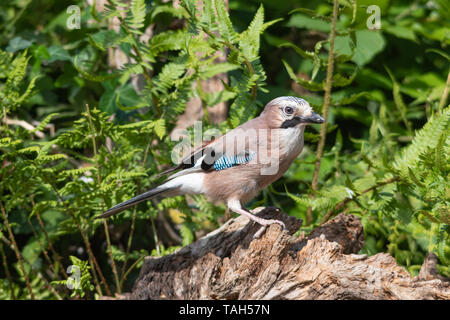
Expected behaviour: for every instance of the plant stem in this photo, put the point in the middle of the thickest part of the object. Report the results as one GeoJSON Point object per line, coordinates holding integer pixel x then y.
{"type": "Point", "coordinates": [49, 243]}
{"type": "Point", "coordinates": [155, 235]}
{"type": "Point", "coordinates": [92, 260]}
{"type": "Point", "coordinates": [8, 274]}
{"type": "Point", "coordinates": [94, 143]}
{"type": "Point", "coordinates": [39, 274]}
{"type": "Point", "coordinates": [127, 252]}
{"type": "Point", "coordinates": [132, 266]}
{"type": "Point", "coordinates": [133, 219]}
{"type": "Point", "coordinates": [105, 223]}
{"type": "Point", "coordinates": [445, 94]}
{"type": "Point", "coordinates": [49, 286]}
{"type": "Point", "coordinates": [44, 251]}
{"type": "Point", "coordinates": [326, 104]}
{"type": "Point", "coordinates": [16, 251]}
{"type": "Point", "coordinates": [109, 250]}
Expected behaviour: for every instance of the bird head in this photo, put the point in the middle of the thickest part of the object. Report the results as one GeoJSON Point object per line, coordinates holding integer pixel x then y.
{"type": "Point", "coordinates": [289, 112]}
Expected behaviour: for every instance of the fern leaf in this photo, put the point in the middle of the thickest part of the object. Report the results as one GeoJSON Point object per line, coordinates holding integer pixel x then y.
{"type": "Point", "coordinates": [427, 137]}
{"type": "Point", "coordinates": [249, 42]}
{"type": "Point", "coordinates": [136, 15]}
{"type": "Point", "coordinates": [169, 73]}
{"type": "Point", "coordinates": [169, 40]}
{"type": "Point", "coordinates": [44, 122]}
{"type": "Point", "coordinates": [341, 81]}
{"type": "Point", "coordinates": [18, 71]}
{"type": "Point", "coordinates": [310, 85]}
{"type": "Point", "coordinates": [440, 155]}
{"type": "Point", "coordinates": [208, 17]}
{"type": "Point", "coordinates": [300, 51]}
{"type": "Point", "coordinates": [179, 12]}
{"type": "Point", "coordinates": [78, 172]}
{"type": "Point", "coordinates": [224, 23]}
{"type": "Point", "coordinates": [302, 201]}
{"type": "Point", "coordinates": [160, 128]}
{"type": "Point", "coordinates": [29, 150]}
{"type": "Point", "coordinates": [400, 104]}
{"type": "Point", "coordinates": [311, 13]}
{"type": "Point", "coordinates": [89, 76]}
{"type": "Point", "coordinates": [186, 234]}
{"type": "Point", "coordinates": [210, 71]}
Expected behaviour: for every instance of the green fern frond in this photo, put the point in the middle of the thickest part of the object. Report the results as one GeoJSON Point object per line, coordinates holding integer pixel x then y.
{"type": "Point", "coordinates": [225, 26]}
{"type": "Point", "coordinates": [80, 279]}
{"type": "Point", "coordinates": [29, 150]}
{"type": "Point", "coordinates": [45, 122]}
{"type": "Point", "coordinates": [427, 137]}
{"type": "Point", "coordinates": [169, 73]}
{"type": "Point", "coordinates": [242, 109]}
{"type": "Point", "coordinates": [136, 16]}
{"type": "Point", "coordinates": [440, 156]}
{"type": "Point", "coordinates": [308, 84]}
{"type": "Point", "coordinates": [249, 39]}
{"type": "Point", "coordinates": [78, 172]}
{"type": "Point", "coordinates": [303, 53]}
{"type": "Point", "coordinates": [29, 92]}
{"type": "Point", "coordinates": [168, 41]}
{"type": "Point", "coordinates": [17, 73]}
{"type": "Point", "coordinates": [209, 20]}
{"type": "Point", "coordinates": [179, 12]}
{"type": "Point", "coordinates": [209, 71]}
{"type": "Point", "coordinates": [186, 234]}
{"type": "Point", "coordinates": [341, 81]}
{"type": "Point", "coordinates": [398, 99]}
{"type": "Point", "coordinates": [52, 157]}
{"type": "Point", "coordinates": [5, 63]}
{"type": "Point", "coordinates": [90, 76]}
{"type": "Point", "coordinates": [302, 201]}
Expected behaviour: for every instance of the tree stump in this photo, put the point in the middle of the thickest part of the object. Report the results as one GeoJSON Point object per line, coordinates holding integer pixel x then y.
{"type": "Point", "coordinates": [229, 264]}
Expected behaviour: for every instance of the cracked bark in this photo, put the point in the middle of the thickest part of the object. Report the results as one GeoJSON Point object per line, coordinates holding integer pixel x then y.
{"type": "Point", "coordinates": [229, 264]}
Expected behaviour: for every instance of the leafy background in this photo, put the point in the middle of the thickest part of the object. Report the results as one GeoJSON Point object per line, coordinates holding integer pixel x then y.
{"type": "Point", "coordinates": [79, 134]}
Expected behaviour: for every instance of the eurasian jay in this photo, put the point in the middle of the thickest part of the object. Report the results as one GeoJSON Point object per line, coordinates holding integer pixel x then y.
{"type": "Point", "coordinates": [235, 167]}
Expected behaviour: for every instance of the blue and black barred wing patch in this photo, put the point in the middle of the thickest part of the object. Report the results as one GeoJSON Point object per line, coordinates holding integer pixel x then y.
{"type": "Point", "coordinates": [209, 160]}
{"type": "Point", "coordinates": [225, 162]}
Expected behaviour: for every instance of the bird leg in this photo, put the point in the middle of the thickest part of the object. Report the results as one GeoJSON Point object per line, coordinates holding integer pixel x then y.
{"type": "Point", "coordinates": [236, 207]}
{"type": "Point", "coordinates": [227, 214]}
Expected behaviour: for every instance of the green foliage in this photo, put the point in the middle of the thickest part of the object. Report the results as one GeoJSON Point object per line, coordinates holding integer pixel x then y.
{"type": "Point", "coordinates": [13, 69]}
{"type": "Point", "coordinates": [416, 202]}
{"type": "Point", "coordinates": [86, 117]}
{"type": "Point", "coordinates": [401, 192]}
{"type": "Point", "coordinates": [80, 281]}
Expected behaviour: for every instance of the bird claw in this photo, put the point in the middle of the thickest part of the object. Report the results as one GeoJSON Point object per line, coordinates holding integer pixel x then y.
{"type": "Point", "coordinates": [259, 232]}
{"type": "Point", "coordinates": [281, 223]}
{"type": "Point", "coordinates": [265, 225]}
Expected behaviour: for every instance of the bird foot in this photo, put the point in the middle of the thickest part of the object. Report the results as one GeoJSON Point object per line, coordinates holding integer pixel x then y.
{"type": "Point", "coordinates": [265, 224]}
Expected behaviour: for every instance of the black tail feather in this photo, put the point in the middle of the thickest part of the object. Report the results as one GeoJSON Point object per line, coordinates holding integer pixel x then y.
{"type": "Point", "coordinates": [133, 201]}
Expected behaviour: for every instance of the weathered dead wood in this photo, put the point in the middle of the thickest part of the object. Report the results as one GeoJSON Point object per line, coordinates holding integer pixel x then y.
{"type": "Point", "coordinates": [229, 264]}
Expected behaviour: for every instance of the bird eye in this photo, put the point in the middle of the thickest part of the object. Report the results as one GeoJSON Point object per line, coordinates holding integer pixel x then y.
{"type": "Point", "coordinates": [288, 110]}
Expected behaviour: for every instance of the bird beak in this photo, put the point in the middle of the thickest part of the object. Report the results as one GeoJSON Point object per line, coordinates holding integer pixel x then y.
{"type": "Point", "coordinates": [313, 118]}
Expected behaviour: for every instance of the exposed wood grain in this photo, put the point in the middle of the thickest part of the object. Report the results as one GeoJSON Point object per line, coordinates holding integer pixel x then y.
{"type": "Point", "coordinates": [229, 264]}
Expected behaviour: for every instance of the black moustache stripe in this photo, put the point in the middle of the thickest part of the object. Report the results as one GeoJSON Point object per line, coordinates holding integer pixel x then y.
{"type": "Point", "coordinates": [290, 123]}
